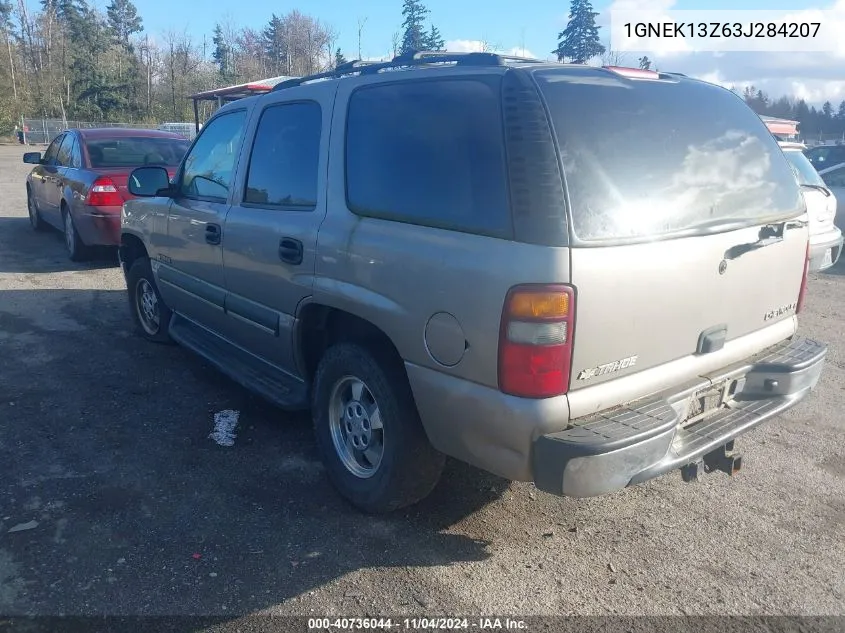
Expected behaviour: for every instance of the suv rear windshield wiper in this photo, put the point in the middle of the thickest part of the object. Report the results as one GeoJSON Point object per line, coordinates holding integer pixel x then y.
{"type": "Point", "coordinates": [821, 188]}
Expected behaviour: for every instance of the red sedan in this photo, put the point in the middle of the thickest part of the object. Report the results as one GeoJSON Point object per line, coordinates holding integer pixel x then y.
{"type": "Point", "coordinates": [79, 185]}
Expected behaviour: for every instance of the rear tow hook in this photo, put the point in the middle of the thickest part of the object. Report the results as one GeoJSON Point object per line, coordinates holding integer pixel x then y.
{"type": "Point", "coordinates": [723, 458]}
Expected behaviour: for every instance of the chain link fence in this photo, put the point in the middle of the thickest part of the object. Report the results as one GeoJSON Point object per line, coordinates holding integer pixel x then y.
{"type": "Point", "coordinates": [43, 131]}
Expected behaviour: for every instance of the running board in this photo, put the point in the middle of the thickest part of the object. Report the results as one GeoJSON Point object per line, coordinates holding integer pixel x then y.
{"type": "Point", "coordinates": [260, 377]}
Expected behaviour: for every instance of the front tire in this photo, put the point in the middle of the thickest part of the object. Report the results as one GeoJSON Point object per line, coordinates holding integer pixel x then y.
{"type": "Point", "coordinates": [368, 431]}
{"type": "Point", "coordinates": [77, 250]}
{"type": "Point", "coordinates": [149, 312]}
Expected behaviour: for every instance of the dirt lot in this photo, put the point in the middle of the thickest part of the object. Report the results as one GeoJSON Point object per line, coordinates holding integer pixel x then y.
{"type": "Point", "coordinates": [104, 443]}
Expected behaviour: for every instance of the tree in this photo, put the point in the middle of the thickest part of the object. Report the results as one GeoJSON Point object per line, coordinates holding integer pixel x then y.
{"type": "Point", "coordinates": [579, 41]}
{"type": "Point", "coordinates": [414, 37]}
{"type": "Point", "coordinates": [840, 113]}
{"type": "Point", "coordinates": [275, 45]}
{"type": "Point", "coordinates": [827, 109]}
{"type": "Point", "coordinates": [339, 59]}
{"type": "Point", "coordinates": [612, 57]}
{"type": "Point", "coordinates": [435, 40]}
{"type": "Point", "coordinates": [645, 63]}
{"type": "Point", "coordinates": [222, 53]}
{"type": "Point", "coordinates": [123, 20]}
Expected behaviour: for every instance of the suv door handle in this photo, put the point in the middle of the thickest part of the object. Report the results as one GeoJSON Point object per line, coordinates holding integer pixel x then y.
{"type": "Point", "coordinates": [212, 233]}
{"type": "Point", "coordinates": [290, 251]}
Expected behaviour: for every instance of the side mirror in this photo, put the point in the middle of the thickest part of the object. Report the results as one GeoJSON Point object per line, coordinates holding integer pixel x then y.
{"type": "Point", "coordinates": [32, 158]}
{"type": "Point", "coordinates": [149, 182]}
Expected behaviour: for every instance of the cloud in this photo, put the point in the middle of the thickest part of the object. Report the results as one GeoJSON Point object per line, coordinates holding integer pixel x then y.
{"type": "Point", "coordinates": [465, 46]}
{"type": "Point", "coordinates": [479, 46]}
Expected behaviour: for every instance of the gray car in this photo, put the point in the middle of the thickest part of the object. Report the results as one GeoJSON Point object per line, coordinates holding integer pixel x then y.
{"type": "Point", "coordinates": [834, 178]}
{"type": "Point", "coordinates": [582, 277]}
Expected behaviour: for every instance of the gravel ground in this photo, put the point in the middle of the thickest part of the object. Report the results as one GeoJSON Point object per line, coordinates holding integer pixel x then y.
{"type": "Point", "coordinates": [104, 444]}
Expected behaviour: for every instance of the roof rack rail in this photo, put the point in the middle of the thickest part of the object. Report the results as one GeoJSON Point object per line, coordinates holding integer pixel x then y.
{"type": "Point", "coordinates": [415, 58]}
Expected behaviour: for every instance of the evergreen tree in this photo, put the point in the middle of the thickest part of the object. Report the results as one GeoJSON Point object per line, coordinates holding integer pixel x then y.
{"type": "Point", "coordinates": [222, 53]}
{"type": "Point", "coordinates": [339, 59]}
{"type": "Point", "coordinates": [801, 110]}
{"type": "Point", "coordinates": [827, 109]}
{"type": "Point", "coordinates": [275, 45]}
{"type": "Point", "coordinates": [123, 20]}
{"type": "Point", "coordinates": [840, 113]}
{"type": "Point", "coordinates": [435, 40]}
{"type": "Point", "coordinates": [98, 94]}
{"type": "Point", "coordinates": [826, 116]}
{"type": "Point", "coordinates": [579, 41]}
{"type": "Point", "coordinates": [414, 37]}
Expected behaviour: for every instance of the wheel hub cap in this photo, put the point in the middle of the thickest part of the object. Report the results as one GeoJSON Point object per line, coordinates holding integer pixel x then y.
{"type": "Point", "coordinates": [356, 427]}
{"type": "Point", "coordinates": [147, 306]}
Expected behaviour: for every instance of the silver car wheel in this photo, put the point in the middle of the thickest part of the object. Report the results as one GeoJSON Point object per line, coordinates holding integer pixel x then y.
{"type": "Point", "coordinates": [146, 304]}
{"type": "Point", "coordinates": [356, 427]}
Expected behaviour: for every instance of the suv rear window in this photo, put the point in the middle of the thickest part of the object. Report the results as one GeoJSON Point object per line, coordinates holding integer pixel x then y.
{"type": "Point", "coordinates": [650, 158]}
{"type": "Point", "coordinates": [429, 153]}
{"type": "Point", "coordinates": [131, 151]}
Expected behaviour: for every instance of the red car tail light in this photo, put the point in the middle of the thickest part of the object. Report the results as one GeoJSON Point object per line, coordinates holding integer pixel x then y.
{"type": "Point", "coordinates": [803, 291]}
{"type": "Point", "coordinates": [104, 193]}
{"type": "Point", "coordinates": [535, 340]}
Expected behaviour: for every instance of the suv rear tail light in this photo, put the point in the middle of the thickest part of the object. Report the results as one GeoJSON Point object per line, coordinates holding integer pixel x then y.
{"type": "Point", "coordinates": [104, 193]}
{"type": "Point", "coordinates": [803, 290]}
{"type": "Point", "coordinates": [535, 340]}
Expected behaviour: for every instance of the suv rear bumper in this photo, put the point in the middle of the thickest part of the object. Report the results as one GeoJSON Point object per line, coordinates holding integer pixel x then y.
{"type": "Point", "coordinates": [613, 449]}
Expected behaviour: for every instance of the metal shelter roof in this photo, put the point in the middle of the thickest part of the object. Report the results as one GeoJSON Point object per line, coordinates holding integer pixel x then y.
{"type": "Point", "coordinates": [780, 126]}
{"type": "Point", "coordinates": [233, 93]}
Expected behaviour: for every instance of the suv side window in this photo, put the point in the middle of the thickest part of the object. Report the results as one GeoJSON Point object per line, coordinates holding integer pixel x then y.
{"type": "Point", "coordinates": [53, 150]}
{"type": "Point", "coordinates": [208, 169]}
{"type": "Point", "coordinates": [64, 157]}
{"type": "Point", "coordinates": [429, 153]}
{"type": "Point", "coordinates": [284, 162]}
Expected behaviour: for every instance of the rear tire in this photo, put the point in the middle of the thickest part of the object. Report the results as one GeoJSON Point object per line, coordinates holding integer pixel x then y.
{"type": "Point", "coordinates": [368, 430]}
{"type": "Point", "coordinates": [34, 215]}
{"type": "Point", "coordinates": [149, 311]}
{"type": "Point", "coordinates": [77, 250]}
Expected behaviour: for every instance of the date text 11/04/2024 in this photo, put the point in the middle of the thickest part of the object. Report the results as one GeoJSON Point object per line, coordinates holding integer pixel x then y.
{"type": "Point", "coordinates": [691, 30]}
{"type": "Point", "coordinates": [417, 624]}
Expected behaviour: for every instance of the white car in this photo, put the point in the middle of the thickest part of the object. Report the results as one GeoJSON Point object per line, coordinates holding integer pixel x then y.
{"type": "Point", "coordinates": [825, 236]}
{"type": "Point", "coordinates": [834, 179]}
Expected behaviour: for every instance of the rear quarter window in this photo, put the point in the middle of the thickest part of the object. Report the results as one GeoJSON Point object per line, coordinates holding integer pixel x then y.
{"type": "Point", "coordinates": [652, 158]}
{"type": "Point", "coordinates": [429, 152]}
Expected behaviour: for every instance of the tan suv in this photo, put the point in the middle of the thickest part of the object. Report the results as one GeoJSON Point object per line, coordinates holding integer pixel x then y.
{"type": "Point", "coordinates": [585, 277]}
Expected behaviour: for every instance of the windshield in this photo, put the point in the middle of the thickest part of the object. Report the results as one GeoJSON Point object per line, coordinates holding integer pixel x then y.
{"type": "Point", "coordinates": [649, 158]}
{"type": "Point", "coordinates": [804, 170]}
{"type": "Point", "coordinates": [132, 151]}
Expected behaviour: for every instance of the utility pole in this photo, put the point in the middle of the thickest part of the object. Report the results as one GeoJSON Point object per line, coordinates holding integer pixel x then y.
{"type": "Point", "coordinates": [361, 23]}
